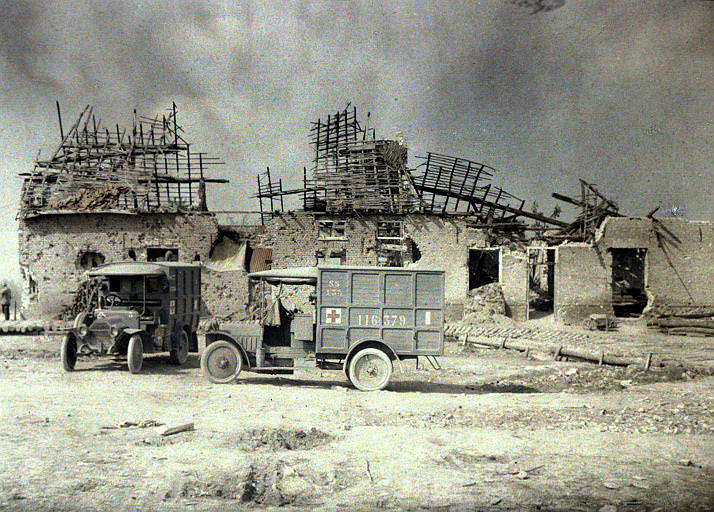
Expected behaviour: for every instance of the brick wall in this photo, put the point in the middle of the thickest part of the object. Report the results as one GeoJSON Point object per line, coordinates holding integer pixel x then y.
{"type": "Point", "coordinates": [51, 249]}
{"type": "Point", "coordinates": [442, 243]}
{"type": "Point", "coordinates": [582, 282]}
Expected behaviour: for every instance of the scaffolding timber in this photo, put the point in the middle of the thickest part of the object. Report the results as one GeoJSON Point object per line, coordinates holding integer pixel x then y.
{"type": "Point", "coordinates": [594, 209]}
{"type": "Point", "coordinates": [149, 169]}
{"type": "Point", "coordinates": [354, 172]}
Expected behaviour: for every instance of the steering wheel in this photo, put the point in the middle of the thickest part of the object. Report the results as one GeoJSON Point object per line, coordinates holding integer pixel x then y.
{"type": "Point", "coordinates": [112, 299]}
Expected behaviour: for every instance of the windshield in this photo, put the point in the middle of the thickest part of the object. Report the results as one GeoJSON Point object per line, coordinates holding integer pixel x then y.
{"type": "Point", "coordinates": [131, 291]}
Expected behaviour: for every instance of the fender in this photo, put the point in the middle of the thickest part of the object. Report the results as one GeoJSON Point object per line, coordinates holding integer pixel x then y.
{"type": "Point", "coordinates": [222, 335]}
{"type": "Point", "coordinates": [130, 331]}
{"type": "Point", "coordinates": [79, 320]}
{"type": "Point", "coordinates": [374, 343]}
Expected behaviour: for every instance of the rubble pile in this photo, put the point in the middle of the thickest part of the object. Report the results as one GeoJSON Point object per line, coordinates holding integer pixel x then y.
{"type": "Point", "coordinates": [485, 304]}
{"type": "Point", "coordinates": [282, 439]}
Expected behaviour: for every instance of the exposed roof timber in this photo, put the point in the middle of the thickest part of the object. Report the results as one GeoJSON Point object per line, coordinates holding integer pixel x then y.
{"type": "Point", "coordinates": [575, 202]}
{"type": "Point", "coordinates": [509, 209]}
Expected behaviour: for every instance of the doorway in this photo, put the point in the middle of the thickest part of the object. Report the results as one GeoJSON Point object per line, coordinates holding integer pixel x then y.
{"type": "Point", "coordinates": [629, 297]}
{"type": "Point", "coordinates": [541, 281]}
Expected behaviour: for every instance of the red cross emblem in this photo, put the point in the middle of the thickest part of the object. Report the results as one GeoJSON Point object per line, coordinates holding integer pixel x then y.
{"type": "Point", "coordinates": [333, 316]}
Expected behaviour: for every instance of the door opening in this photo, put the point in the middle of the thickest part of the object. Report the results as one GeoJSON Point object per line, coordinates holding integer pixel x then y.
{"type": "Point", "coordinates": [628, 282]}
{"type": "Point", "coordinates": [541, 281]}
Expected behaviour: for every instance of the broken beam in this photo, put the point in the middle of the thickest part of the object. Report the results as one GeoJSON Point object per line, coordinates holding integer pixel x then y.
{"type": "Point", "coordinates": [575, 202]}
{"type": "Point", "coordinates": [510, 209]}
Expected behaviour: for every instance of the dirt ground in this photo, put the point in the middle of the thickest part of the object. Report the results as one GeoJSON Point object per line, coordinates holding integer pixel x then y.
{"type": "Point", "coordinates": [491, 431]}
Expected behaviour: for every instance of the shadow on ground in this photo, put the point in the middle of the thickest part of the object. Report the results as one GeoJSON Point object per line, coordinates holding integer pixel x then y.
{"type": "Point", "coordinates": [402, 386]}
{"type": "Point", "coordinates": [152, 365]}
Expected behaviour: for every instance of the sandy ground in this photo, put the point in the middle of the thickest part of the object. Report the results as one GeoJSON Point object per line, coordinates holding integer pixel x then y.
{"type": "Point", "coordinates": [492, 431]}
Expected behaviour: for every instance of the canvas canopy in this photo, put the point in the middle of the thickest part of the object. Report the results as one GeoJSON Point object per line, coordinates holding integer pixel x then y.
{"type": "Point", "coordinates": [133, 268]}
{"type": "Point", "coordinates": [296, 275]}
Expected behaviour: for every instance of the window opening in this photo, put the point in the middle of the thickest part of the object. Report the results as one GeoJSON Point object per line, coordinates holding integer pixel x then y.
{"type": "Point", "coordinates": [331, 229]}
{"type": "Point", "coordinates": [484, 267]}
{"type": "Point", "coordinates": [162, 254]}
{"type": "Point", "coordinates": [390, 230]}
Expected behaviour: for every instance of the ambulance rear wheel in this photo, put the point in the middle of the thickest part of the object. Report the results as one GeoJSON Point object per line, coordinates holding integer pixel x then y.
{"type": "Point", "coordinates": [221, 362]}
{"type": "Point", "coordinates": [179, 354]}
{"type": "Point", "coordinates": [69, 351]}
{"type": "Point", "coordinates": [370, 369]}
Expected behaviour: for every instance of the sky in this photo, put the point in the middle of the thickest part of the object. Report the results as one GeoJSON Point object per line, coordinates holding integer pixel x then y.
{"type": "Point", "coordinates": [618, 93]}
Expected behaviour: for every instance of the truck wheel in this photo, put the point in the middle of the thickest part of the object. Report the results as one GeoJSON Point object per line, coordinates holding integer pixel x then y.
{"type": "Point", "coordinates": [179, 355]}
{"type": "Point", "coordinates": [135, 353]}
{"type": "Point", "coordinates": [221, 362]}
{"type": "Point", "coordinates": [370, 369]}
{"type": "Point", "coordinates": [69, 351]}
{"type": "Point", "coordinates": [589, 324]}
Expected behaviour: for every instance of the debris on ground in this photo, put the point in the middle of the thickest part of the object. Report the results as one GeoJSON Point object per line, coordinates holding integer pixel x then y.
{"type": "Point", "coordinates": [272, 483]}
{"type": "Point", "coordinates": [274, 439]}
{"type": "Point", "coordinates": [165, 431]}
{"type": "Point", "coordinates": [130, 424]}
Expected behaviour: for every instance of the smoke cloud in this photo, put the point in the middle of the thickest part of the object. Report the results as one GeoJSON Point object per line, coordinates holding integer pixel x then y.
{"type": "Point", "coordinates": [619, 93]}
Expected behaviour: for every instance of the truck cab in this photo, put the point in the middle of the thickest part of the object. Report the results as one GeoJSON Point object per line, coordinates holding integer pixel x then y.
{"type": "Point", "coordinates": [142, 308]}
{"type": "Point", "coordinates": [357, 319]}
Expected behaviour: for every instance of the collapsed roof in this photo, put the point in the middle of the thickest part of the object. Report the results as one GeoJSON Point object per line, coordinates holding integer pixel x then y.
{"type": "Point", "coordinates": [148, 169]}
{"type": "Point", "coordinates": [355, 172]}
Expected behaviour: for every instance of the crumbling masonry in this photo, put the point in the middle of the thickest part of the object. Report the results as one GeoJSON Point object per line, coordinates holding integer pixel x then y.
{"type": "Point", "coordinates": [108, 195]}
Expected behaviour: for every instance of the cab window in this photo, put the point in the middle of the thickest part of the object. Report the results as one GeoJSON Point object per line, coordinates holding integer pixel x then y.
{"type": "Point", "coordinates": [114, 284]}
{"type": "Point", "coordinates": [153, 284]}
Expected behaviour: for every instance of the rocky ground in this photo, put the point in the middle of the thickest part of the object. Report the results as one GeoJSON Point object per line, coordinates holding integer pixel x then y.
{"type": "Point", "coordinates": [491, 431]}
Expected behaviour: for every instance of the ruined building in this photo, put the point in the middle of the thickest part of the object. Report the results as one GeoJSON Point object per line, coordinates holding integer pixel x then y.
{"type": "Point", "coordinates": [361, 205]}
{"type": "Point", "coordinates": [108, 195]}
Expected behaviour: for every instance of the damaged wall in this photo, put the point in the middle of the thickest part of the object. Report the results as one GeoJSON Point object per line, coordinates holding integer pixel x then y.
{"type": "Point", "coordinates": [426, 241]}
{"type": "Point", "coordinates": [56, 251]}
{"type": "Point", "coordinates": [514, 282]}
{"type": "Point", "coordinates": [678, 262]}
{"type": "Point", "coordinates": [582, 283]}
{"type": "Point", "coordinates": [677, 268]}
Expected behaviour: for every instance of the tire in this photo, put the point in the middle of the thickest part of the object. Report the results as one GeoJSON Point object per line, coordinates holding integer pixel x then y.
{"type": "Point", "coordinates": [179, 355]}
{"type": "Point", "coordinates": [69, 352]}
{"type": "Point", "coordinates": [370, 369]}
{"type": "Point", "coordinates": [135, 353]}
{"type": "Point", "coordinates": [589, 324]}
{"type": "Point", "coordinates": [221, 362]}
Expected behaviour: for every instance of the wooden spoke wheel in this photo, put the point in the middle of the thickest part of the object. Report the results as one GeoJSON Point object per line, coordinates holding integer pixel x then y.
{"type": "Point", "coordinates": [370, 369]}
{"type": "Point", "coordinates": [179, 354]}
{"type": "Point", "coordinates": [135, 353]}
{"type": "Point", "coordinates": [69, 351]}
{"type": "Point", "coordinates": [221, 362]}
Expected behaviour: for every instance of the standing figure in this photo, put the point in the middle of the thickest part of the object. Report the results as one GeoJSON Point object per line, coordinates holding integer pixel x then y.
{"type": "Point", "coordinates": [5, 297]}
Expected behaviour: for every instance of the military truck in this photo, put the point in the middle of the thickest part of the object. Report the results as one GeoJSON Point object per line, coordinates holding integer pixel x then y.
{"type": "Point", "coordinates": [360, 320]}
{"type": "Point", "coordinates": [144, 307]}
